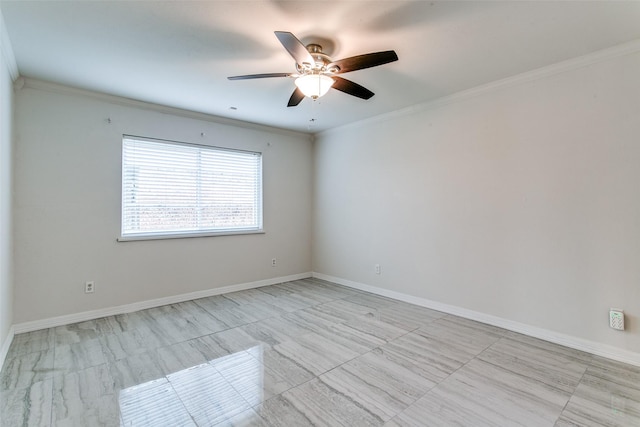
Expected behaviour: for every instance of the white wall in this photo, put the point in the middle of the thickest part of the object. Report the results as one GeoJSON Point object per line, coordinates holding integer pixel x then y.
{"type": "Point", "coordinates": [67, 207]}
{"type": "Point", "coordinates": [6, 118]}
{"type": "Point", "coordinates": [522, 202]}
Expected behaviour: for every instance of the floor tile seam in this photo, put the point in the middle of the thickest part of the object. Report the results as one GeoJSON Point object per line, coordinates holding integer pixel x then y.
{"type": "Point", "coordinates": [180, 399]}
{"type": "Point", "coordinates": [281, 395]}
{"type": "Point", "coordinates": [461, 367]}
{"type": "Point", "coordinates": [592, 370]}
{"type": "Point", "coordinates": [554, 357]}
{"type": "Point", "coordinates": [539, 382]}
{"type": "Point", "coordinates": [564, 408]}
{"type": "Point", "coordinates": [356, 357]}
{"type": "Point", "coordinates": [224, 330]}
{"type": "Point", "coordinates": [502, 367]}
{"type": "Point", "coordinates": [413, 400]}
{"type": "Point", "coordinates": [443, 342]}
{"type": "Point", "coordinates": [294, 362]}
{"type": "Point", "coordinates": [317, 377]}
{"type": "Point", "coordinates": [350, 399]}
{"type": "Point", "coordinates": [53, 366]}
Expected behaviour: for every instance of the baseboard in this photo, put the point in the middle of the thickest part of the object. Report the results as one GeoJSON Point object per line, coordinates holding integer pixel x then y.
{"type": "Point", "coordinates": [5, 346]}
{"type": "Point", "coordinates": [142, 305]}
{"type": "Point", "coordinates": [599, 349]}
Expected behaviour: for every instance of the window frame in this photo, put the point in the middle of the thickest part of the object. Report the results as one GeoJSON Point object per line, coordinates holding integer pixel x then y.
{"type": "Point", "coordinates": [177, 234]}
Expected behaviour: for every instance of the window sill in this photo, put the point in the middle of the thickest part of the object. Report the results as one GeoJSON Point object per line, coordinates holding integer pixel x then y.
{"type": "Point", "coordinates": [165, 236]}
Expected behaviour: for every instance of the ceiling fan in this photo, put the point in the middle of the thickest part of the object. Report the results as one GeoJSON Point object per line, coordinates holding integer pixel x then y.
{"type": "Point", "coordinates": [316, 73]}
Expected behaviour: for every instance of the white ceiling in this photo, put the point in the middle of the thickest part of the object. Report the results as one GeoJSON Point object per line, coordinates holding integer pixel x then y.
{"type": "Point", "coordinates": [179, 53]}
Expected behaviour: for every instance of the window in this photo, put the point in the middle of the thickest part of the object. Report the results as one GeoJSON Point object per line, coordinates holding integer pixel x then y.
{"type": "Point", "coordinates": [172, 189]}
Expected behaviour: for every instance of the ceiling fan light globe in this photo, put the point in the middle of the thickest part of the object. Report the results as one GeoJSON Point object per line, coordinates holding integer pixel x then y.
{"type": "Point", "coordinates": [314, 85]}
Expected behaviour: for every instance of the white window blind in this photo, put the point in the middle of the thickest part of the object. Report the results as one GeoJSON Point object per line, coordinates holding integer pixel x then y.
{"type": "Point", "coordinates": [172, 189]}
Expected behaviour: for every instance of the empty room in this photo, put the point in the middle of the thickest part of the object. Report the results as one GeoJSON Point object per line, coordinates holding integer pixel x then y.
{"type": "Point", "coordinates": [319, 213]}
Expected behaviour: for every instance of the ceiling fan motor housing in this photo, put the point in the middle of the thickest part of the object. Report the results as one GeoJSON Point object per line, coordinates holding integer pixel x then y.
{"type": "Point", "coordinates": [321, 60]}
{"type": "Point", "coordinates": [317, 73]}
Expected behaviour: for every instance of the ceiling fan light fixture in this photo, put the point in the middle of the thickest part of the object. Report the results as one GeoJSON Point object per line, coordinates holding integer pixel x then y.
{"type": "Point", "coordinates": [314, 85]}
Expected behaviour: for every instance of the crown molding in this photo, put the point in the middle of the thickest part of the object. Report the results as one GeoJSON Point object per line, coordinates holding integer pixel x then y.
{"type": "Point", "coordinates": [7, 50]}
{"type": "Point", "coordinates": [47, 86]}
{"type": "Point", "coordinates": [519, 79]}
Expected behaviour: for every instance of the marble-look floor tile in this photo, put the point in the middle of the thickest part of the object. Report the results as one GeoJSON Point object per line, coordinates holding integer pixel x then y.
{"type": "Point", "coordinates": [227, 311]}
{"type": "Point", "coordinates": [293, 373]}
{"type": "Point", "coordinates": [76, 332]}
{"type": "Point", "coordinates": [103, 411]}
{"type": "Point", "coordinates": [129, 343]}
{"type": "Point", "coordinates": [402, 315]}
{"type": "Point", "coordinates": [175, 324]}
{"type": "Point", "coordinates": [280, 412]}
{"type": "Point", "coordinates": [481, 394]}
{"type": "Point", "coordinates": [341, 310]}
{"type": "Point", "coordinates": [250, 378]}
{"type": "Point", "coordinates": [378, 384]}
{"type": "Point", "coordinates": [78, 356]}
{"type": "Point", "coordinates": [110, 325]}
{"type": "Point", "coordinates": [339, 333]}
{"type": "Point", "coordinates": [553, 368]}
{"type": "Point", "coordinates": [125, 322]}
{"type": "Point", "coordinates": [364, 323]}
{"type": "Point", "coordinates": [312, 400]}
{"type": "Point", "coordinates": [306, 292]}
{"type": "Point", "coordinates": [85, 397]}
{"type": "Point", "coordinates": [275, 330]}
{"type": "Point", "coordinates": [29, 406]}
{"type": "Point", "coordinates": [292, 297]}
{"type": "Point", "coordinates": [208, 397]}
{"type": "Point", "coordinates": [468, 340]}
{"type": "Point", "coordinates": [25, 369]}
{"type": "Point", "coordinates": [373, 301]}
{"type": "Point", "coordinates": [225, 342]}
{"type": "Point", "coordinates": [609, 394]}
{"type": "Point", "coordinates": [330, 288]}
{"type": "Point", "coordinates": [314, 290]}
{"type": "Point", "coordinates": [316, 353]}
{"type": "Point", "coordinates": [179, 356]}
{"type": "Point", "coordinates": [435, 359]}
{"type": "Point", "coordinates": [483, 328]}
{"type": "Point", "coordinates": [256, 296]}
{"type": "Point", "coordinates": [134, 370]}
{"type": "Point", "coordinates": [153, 404]}
{"type": "Point", "coordinates": [31, 342]}
{"type": "Point", "coordinates": [202, 317]}
{"type": "Point", "coordinates": [546, 346]}
{"type": "Point", "coordinates": [248, 418]}
{"type": "Point", "coordinates": [300, 353]}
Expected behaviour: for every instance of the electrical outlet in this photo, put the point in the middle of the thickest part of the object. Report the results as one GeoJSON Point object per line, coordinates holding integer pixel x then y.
{"type": "Point", "coordinates": [89, 287]}
{"type": "Point", "coordinates": [616, 319]}
{"type": "Point", "coordinates": [377, 268]}
{"type": "Point", "coordinates": [273, 262]}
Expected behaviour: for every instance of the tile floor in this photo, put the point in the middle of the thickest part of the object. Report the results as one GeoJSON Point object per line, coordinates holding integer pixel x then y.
{"type": "Point", "coordinates": [305, 353]}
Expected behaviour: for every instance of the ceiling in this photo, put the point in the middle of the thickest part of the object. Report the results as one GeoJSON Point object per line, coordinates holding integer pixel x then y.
{"type": "Point", "coordinates": [179, 53]}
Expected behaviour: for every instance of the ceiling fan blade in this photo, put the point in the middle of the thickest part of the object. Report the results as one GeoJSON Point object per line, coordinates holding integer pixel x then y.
{"type": "Point", "coordinates": [367, 60]}
{"type": "Point", "coordinates": [259, 76]}
{"type": "Point", "coordinates": [295, 47]}
{"type": "Point", "coordinates": [351, 88]}
{"type": "Point", "coordinates": [296, 97]}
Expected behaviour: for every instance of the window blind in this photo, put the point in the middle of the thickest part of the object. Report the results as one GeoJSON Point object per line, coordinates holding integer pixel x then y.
{"type": "Point", "coordinates": [175, 188]}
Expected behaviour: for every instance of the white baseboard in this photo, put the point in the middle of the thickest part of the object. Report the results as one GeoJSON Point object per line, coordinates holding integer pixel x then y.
{"type": "Point", "coordinates": [599, 349]}
{"type": "Point", "coordinates": [4, 349]}
{"type": "Point", "coordinates": [142, 305]}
